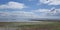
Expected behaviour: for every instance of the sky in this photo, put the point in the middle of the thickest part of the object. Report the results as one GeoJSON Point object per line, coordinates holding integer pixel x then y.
{"type": "Point", "coordinates": [24, 10]}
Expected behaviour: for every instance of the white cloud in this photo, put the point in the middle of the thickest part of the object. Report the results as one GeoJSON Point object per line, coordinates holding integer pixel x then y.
{"type": "Point", "coordinates": [24, 14]}
{"type": "Point", "coordinates": [48, 12]}
{"type": "Point", "coordinates": [12, 5]}
{"type": "Point", "coordinates": [17, 15]}
{"type": "Point", "coordinates": [42, 10]}
{"type": "Point", "coordinates": [50, 2]}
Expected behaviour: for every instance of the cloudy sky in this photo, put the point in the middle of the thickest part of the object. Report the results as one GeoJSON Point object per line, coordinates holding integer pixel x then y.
{"type": "Point", "coordinates": [23, 10]}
